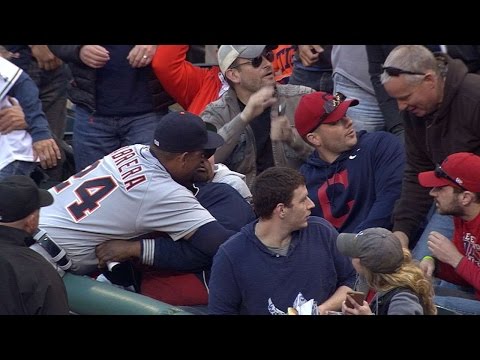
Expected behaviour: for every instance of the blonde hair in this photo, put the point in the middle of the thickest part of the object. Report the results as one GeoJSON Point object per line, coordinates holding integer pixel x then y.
{"type": "Point", "coordinates": [409, 276]}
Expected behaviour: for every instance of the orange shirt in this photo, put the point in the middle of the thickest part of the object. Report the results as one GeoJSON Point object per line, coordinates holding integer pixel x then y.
{"type": "Point", "coordinates": [283, 62]}
{"type": "Point", "coordinates": [191, 86]}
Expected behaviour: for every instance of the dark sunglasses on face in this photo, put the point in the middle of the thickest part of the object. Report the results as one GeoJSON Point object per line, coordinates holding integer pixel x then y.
{"type": "Point", "coordinates": [440, 173]}
{"type": "Point", "coordinates": [393, 71]}
{"type": "Point", "coordinates": [256, 62]}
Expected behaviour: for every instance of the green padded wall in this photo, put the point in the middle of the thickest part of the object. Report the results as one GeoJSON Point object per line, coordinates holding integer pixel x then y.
{"type": "Point", "coordinates": [90, 297]}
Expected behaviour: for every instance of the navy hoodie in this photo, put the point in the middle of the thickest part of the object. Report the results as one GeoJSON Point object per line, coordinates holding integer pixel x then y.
{"type": "Point", "coordinates": [359, 189]}
{"type": "Point", "coordinates": [246, 275]}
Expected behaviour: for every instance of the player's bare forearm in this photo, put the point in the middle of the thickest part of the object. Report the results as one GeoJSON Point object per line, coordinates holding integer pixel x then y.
{"type": "Point", "coordinates": [117, 250]}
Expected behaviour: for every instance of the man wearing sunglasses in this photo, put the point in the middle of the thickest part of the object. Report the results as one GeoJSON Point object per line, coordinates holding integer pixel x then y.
{"type": "Point", "coordinates": [456, 191]}
{"type": "Point", "coordinates": [255, 116]}
{"type": "Point", "coordinates": [353, 178]}
{"type": "Point", "coordinates": [439, 103]}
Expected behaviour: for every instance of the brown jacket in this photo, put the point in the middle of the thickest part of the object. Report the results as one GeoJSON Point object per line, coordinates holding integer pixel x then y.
{"type": "Point", "coordinates": [454, 127]}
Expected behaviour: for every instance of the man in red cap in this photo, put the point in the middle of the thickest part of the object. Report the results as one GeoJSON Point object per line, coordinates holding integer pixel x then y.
{"type": "Point", "coordinates": [456, 191]}
{"type": "Point", "coordinates": [353, 178]}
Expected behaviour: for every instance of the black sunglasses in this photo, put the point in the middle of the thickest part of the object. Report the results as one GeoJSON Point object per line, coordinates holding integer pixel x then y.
{"type": "Point", "coordinates": [440, 173]}
{"type": "Point", "coordinates": [393, 71]}
{"type": "Point", "coordinates": [256, 62]}
{"type": "Point", "coordinates": [329, 106]}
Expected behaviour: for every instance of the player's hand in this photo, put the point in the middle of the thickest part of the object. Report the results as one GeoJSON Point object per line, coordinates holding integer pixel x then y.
{"type": "Point", "coordinates": [117, 250]}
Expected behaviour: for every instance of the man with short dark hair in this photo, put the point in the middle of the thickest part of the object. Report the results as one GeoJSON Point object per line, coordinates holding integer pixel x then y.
{"type": "Point", "coordinates": [353, 178]}
{"type": "Point", "coordinates": [284, 255]}
{"type": "Point", "coordinates": [28, 283]}
{"type": "Point", "coordinates": [456, 190]}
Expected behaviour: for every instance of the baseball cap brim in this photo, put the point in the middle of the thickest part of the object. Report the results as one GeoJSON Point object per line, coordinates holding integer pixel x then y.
{"type": "Point", "coordinates": [252, 51]}
{"type": "Point", "coordinates": [214, 140]}
{"type": "Point", "coordinates": [46, 199]}
{"type": "Point", "coordinates": [346, 244]}
{"type": "Point", "coordinates": [340, 111]}
{"type": "Point", "coordinates": [428, 179]}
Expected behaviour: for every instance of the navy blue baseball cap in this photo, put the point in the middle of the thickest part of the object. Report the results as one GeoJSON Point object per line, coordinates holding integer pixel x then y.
{"type": "Point", "coordinates": [182, 131]}
{"type": "Point", "coordinates": [19, 197]}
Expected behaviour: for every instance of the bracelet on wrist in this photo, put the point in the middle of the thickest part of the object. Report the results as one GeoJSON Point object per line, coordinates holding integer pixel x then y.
{"type": "Point", "coordinates": [428, 257]}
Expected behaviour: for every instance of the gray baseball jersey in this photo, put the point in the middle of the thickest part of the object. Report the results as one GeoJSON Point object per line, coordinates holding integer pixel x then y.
{"type": "Point", "coordinates": [126, 194]}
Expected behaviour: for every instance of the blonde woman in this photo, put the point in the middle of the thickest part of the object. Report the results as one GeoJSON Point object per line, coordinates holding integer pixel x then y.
{"type": "Point", "coordinates": [400, 285]}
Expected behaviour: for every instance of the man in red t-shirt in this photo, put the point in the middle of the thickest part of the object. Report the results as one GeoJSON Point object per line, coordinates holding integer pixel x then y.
{"type": "Point", "coordinates": [456, 191]}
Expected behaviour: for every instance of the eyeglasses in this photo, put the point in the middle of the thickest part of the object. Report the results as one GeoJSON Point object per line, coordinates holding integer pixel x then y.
{"type": "Point", "coordinates": [393, 71]}
{"type": "Point", "coordinates": [329, 106]}
{"type": "Point", "coordinates": [256, 62]}
{"type": "Point", "coordinates": [440, 173]}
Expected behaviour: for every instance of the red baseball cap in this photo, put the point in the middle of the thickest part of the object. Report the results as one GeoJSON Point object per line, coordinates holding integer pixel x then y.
{"type": "Point", "coordinates": [311, 110]}
{"type": "Point", "coordinates": [461, 169]}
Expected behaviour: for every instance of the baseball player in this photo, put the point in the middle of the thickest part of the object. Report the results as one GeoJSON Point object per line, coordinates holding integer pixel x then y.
{"type": "Point", "coordinates": [134, 191]}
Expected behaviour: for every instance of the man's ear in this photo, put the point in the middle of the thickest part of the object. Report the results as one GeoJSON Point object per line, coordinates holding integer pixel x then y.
{"type": "Point", "coordinates": [431, 79]}
{"type": "Point", "coordinates": [31, 222]}
{"type": "Point", "coordinates": [280, 210]}
{"type": "Point", "coordinates": [233, 75]}
{"type": "Point", "coordinates": [468, 197]}
{"type": "Point", "coordinates": [313, 139]}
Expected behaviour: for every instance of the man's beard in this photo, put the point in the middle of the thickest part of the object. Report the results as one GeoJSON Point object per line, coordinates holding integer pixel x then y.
{"type": "Point", "coordinates": [454, 210]}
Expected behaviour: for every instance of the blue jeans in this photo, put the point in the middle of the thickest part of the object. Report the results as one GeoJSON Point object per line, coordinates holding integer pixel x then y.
{"type": "Point", "coordinates": [318, 80]}
{"type": "Point", "coordinates": [367, 114]}
{"type": "Point", "coordinates": [460, 299]}
{"type": "Point", "coordinates": [95, 136]}
{"type": "Point", "coordinates": [17, 167]}
{"type": "Point", "coordinates": [441, 223]}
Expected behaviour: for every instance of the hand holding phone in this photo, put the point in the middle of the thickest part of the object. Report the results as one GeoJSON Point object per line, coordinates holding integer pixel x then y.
{"type": "Point", "coordinates": [357, 296]}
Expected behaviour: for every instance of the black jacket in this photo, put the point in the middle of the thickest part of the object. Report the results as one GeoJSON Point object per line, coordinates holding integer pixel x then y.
{"type": "Point", "coordinates": [82, 89]}
{"type": "Point", "coordinates": [29, 284]}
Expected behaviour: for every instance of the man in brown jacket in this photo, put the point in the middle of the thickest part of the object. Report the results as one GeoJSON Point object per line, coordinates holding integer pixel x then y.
{"type": "Point", "coordinates": [440, 105]}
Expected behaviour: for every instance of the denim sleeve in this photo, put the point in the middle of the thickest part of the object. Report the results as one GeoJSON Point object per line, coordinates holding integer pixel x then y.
{"type": "Point", "coordinates": [26, 92]}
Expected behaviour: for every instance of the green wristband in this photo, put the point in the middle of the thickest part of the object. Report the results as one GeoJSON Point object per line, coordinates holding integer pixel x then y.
{"type": "Point", "coordinates": [428, 257]}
